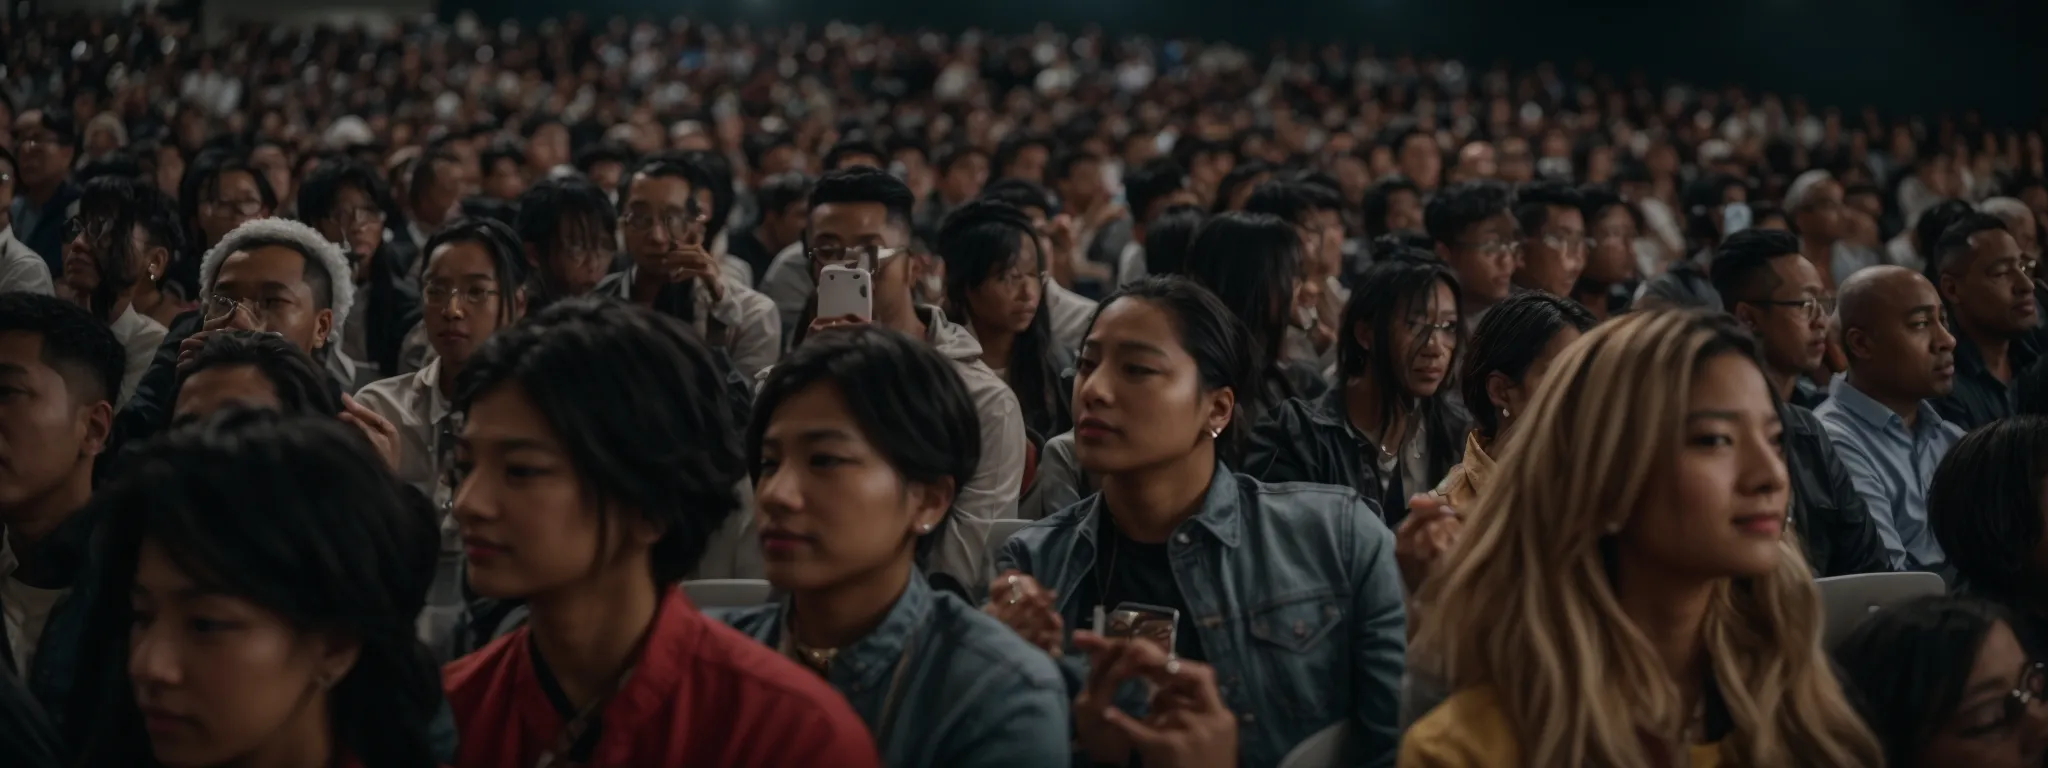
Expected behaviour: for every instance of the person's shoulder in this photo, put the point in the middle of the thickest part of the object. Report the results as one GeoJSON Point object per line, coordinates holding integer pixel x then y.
{"type": "Point", "coordinates": [991, 650]}
{"type": "Point", "coordinates": [387, 394]}
{"type": "Point", "coordinates": [762, 691]}
{"type": "Point", "coordinates": [481, 667]}
{"type": "Point", "coordinates": [1303, 503]}
{"type": "Point", "coordinates": [753, 621]}
{"type": "Point", "coordinates": [1800, 419]}
{"type": "Point", "coordinates": [1468, 729]}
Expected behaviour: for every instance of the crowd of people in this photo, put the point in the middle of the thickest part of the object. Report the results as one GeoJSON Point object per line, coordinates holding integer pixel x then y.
{"type": "Point", "coordinates": [369, 399]}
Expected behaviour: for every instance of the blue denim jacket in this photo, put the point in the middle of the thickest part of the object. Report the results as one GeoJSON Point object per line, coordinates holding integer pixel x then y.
{"type": "Point", "coordinates": [1295, 598]}
{"type": "Point", "coordinates": [974, 693]}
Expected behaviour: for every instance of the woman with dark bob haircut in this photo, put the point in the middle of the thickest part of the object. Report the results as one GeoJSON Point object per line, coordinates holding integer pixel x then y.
{"type": "Point", "coordinates": [853, 480]}
{"type": "Point", "coordinates": [597, 456]}
{"type": "Point", "coordinates": [1943, 682]}
{"type": "Point", "coordinates": [267, 570]}
{"type": "Point", "coordinates": [1985, 506]}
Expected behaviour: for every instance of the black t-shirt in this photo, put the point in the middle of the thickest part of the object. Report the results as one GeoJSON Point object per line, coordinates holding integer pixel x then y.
{"type": "Point", "coordinates": [1128, 571]}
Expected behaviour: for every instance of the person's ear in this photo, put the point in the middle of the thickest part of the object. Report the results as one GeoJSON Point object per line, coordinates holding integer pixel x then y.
{"type": "Point", "coordinates": [929, 503]}
{"type": "Point", "coordinates": [336, 654]}
{"type": "Point", "coordinates": [323, 324]}
{"type": "Point", "coordinates": [1443, 253]}
{"type": "Point", "coordinates": [1222, 405]}
{"type": "Point", "coordinates": [1951, 289]}
{"type": "Point", "coordinates": [1745, 313]}
{"type": "Point", "coordinates": [1361, 333]}
{"type": "Point", "coordinates": [155, 262]}
{"type": "Point", "coordinates": [532, 255]}
{"type": "Point", "coordinates": [518, 302]}
{"type": "Point", "coordinates": [97, 424]}
{"type": "Point", "coordinates": [1856, 343]}
{"type": "Point", "coordinates": [1498, 385]}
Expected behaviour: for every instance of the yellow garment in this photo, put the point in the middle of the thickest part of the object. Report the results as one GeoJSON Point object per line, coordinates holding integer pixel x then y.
{"type": "Point", "coordinates": [1469, 730]}
{"type": "Point", "coordinates": [1460, 487]}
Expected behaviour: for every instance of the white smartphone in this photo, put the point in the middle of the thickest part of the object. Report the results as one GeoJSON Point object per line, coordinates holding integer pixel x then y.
{"type": "Point", "coordinates": [845, 291]}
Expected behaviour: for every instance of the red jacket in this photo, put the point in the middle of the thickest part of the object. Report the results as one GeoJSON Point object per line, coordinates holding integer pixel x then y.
{"type": "Point", "coordinates": [702, 694]}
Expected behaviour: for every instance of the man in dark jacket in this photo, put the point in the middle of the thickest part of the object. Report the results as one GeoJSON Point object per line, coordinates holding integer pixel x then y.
{"type": "Point", "coordinates": [347, 202]}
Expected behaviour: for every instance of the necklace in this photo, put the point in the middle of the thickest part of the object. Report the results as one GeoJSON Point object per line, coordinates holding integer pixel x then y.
{"type": "Point", "coordinates": [816, 658]}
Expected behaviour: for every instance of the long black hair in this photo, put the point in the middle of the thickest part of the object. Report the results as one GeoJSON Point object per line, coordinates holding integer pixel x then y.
{"type": "Point", "coordinates": [1984, 505]}
{"type": "Point", "coordinates": [1906, 666]}
{"type": "Point", "coordinates": [928, 438]}
{"type": "Point", "coordinates": [1407, 282]}
{"type": "Point", "coordinates": [1507, 342]}
{"type": "Point", "coordinates": [1221, 345]}
{"type": "Point", "coordinates": [1252, 262]}
{"type": "Point", "coordinates": [295, 515]}
{"type": "Point", "coordinates": [508, 264]}
{"type": "Point", "coordinates": [1168, 238]}
{"type": "Point", "coordinates": [124, 204]}
{"type": "Point", "coordinates": [980, 241]}
{"type": "Point", "coordinates": [638, 403]}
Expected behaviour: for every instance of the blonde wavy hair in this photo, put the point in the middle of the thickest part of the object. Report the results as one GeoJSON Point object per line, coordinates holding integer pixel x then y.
{"type": "Point", "coordinates": [1526, 603]}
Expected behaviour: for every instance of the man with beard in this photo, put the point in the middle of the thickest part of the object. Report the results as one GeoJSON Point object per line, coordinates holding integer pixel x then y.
{"type": "Point", "coordinates": [125, 232]}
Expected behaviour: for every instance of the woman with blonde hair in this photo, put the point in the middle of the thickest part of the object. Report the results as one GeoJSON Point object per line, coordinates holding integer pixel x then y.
{"type": "Point", "coordinates": [1625, 593]}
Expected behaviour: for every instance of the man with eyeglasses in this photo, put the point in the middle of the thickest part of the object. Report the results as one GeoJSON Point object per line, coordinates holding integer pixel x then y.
{"type": "Point", "coordinates": [271, 275]}
{"type": "Point", "coordinates": [21, 269]}
{"type": "Point", "coordinates": [45, 142]}
{"type": "Point", "coordinates": [568, 228]}
{"type": "Point", "coordinates": [1473, 224]}
{"type": "Point", "coordinates": [1554, 244]}
{"type": "Point", "coordinates": [1776, 293]}
{"type": "Point", "coordinates": [674, 271]}
{"type": "Point", "coordinates": [1986, 281]}
{"type": "Point", "coordinates": [1814, 207]}
{"type": "Point", "coordinates": [861, 217]}
{"type": "Point", "coordinates": [346, 201]}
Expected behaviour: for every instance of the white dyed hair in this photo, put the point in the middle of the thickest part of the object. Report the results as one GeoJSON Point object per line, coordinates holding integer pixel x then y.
{"type": "Point", "coordinates": [2008, 208]}
{"type": "Point", "coordinates": [308, 241]}
{"type": "Point", "coordinates": [1802, 188]}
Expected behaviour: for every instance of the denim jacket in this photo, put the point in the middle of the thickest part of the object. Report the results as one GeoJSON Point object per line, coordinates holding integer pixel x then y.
{"type": "Point", "coordinates": [1295, 598]}
{"type": "Point", "coordinates": [973, 692]}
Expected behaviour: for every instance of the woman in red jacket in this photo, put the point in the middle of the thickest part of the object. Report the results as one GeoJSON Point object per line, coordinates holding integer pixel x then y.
{"type": "Point", "coordinates": [597, 457]}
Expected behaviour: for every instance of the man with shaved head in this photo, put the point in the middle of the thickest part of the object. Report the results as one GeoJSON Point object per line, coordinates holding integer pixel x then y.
{"type": "Point", "coordinates": [1987, 282]}
{"type": "Point", "coordinates": [1880, 416]}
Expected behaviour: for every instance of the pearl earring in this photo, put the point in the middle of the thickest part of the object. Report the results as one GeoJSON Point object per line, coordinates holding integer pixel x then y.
{"type": "Point", "coordinates": [1215, 433]}
{"type": "Point", "coordinates": [926, 528]}
{"type": "Point", "coordinates": [1504, 413]}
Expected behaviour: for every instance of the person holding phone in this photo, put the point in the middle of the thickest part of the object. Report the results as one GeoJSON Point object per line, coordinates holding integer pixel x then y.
{"type": "Point", "coordinates": [860, 220]}
{"type": "Point", "coordinates": [1286, 599]}
{"type": "Point", "coordinates": [854, 484]}
{"type": "Point", "coordinates": [674, 271]}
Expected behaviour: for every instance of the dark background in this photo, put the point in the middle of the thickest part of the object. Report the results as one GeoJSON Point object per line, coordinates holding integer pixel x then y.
{"type": "Point", "coordinates": [1922, 56]}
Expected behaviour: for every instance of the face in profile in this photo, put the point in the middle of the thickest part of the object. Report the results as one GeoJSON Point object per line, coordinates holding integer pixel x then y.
{"type": "Point", "coordinates": [527, 524]}
{"type": "Point", "coordinates": [1991, 727]}
{"type": "Point", "coordinates": [1718, 508]}
{"type": "Point", "coordinates": [44, 427]}
{"type": "Point", "coordinates": [215, 676]}
{"type": "Point", "coordinates": [218, 388]}
{"type": "Point", "coordinates": [1138, 398]}
{"type": "Point", "coordinates": [830, 507]}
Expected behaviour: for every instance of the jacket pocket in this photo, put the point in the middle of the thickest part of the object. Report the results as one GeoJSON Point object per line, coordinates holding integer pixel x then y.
{"type": "Point", "coordinates": [1300, 654]}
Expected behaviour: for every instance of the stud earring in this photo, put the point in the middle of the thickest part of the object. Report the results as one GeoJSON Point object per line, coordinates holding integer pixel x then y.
{"type": "Point", "coordinates": [1613, 527]}
{"type": "Point", "coordinates": [1504, 413]}
{"type": "Point", "coordinates": [926, 528]}
{"type": "Point", "coordinates": [1215, 433]}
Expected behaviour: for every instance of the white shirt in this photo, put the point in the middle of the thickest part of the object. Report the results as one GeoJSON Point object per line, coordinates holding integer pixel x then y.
{"type": "Point", "coordinates": [1130, 265]}
{"type": "Point", "coordinates": [140, 335]}
{"type": "Point", "coordinates": [22, 269]}
{"type": "Point", "coordinates": [412, 402]}
{"type": "Point", "coordinates": [27, 609]}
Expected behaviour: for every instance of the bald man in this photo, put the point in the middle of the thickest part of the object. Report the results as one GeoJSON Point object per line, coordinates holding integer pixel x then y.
{"type": "Point", "coordinates": [1986, 281]}
{"type": "Point", "coordinates": [1879, 415]}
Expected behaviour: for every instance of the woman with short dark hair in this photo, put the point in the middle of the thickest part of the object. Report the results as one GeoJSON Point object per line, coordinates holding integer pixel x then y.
{"type": "Point", "coordinates": [1943, 681]}
{"type": "Point", "coordinates": [267, 570]}
{"type": "Point", "coordinates": [597, 458]}
{"type": "Point", "coordinates": [1985, 506]}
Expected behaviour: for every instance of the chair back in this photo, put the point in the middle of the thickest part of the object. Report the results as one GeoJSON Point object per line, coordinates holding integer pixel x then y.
{"type": "Point", "coordinates": [1328, 748]}
{"type": "Point", "coordinates": [1847, 600]}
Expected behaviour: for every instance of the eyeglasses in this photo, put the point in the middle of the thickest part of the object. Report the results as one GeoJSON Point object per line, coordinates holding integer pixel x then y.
{"type": "Point", "coordinates": [2015, 703]}
{"type": "Point", "coordinates": [1013, 278]}
{"type": "Point", "coordinates": [438, 296]}
{"type": "Point", "coordinates": [218, 308]}
{"type": "Point", "coordinates": [235, 207]}
{"type": "Point", "coordinates": [1425, 331]}
{"type": "Point", "coordinates": [95, 231]}
{"type": "Point", "coordinates": [1566, 243]}
{"type": "Point", "coordinates": [866, 256]}
{"type": "Point", "coordinates": [1814, 307]}
{"type": "Point", "coordinates": [1495, 248]}
{"type": "Point", "coordinates": [675, 222]}
{"type": "Point", "coordinates": [361, 215]}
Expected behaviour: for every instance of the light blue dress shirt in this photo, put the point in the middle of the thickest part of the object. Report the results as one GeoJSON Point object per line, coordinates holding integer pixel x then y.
{"type": "Point", "coordinates": [1891, 466]}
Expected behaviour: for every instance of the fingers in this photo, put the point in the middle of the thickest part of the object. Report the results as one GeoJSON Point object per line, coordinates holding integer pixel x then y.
{"type": "Point", "coordinates": [1147, 738]}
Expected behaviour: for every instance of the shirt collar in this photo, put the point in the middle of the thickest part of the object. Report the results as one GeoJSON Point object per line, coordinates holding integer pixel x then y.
{"type": "Point", "coordinates": [1874, 413]}
{"type": "Point", "coordinates": [429, 382]}
{"type": "Point", "coordinates": [1219, 513]}
{"type": "Point", "coordinates": [870, 661]}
